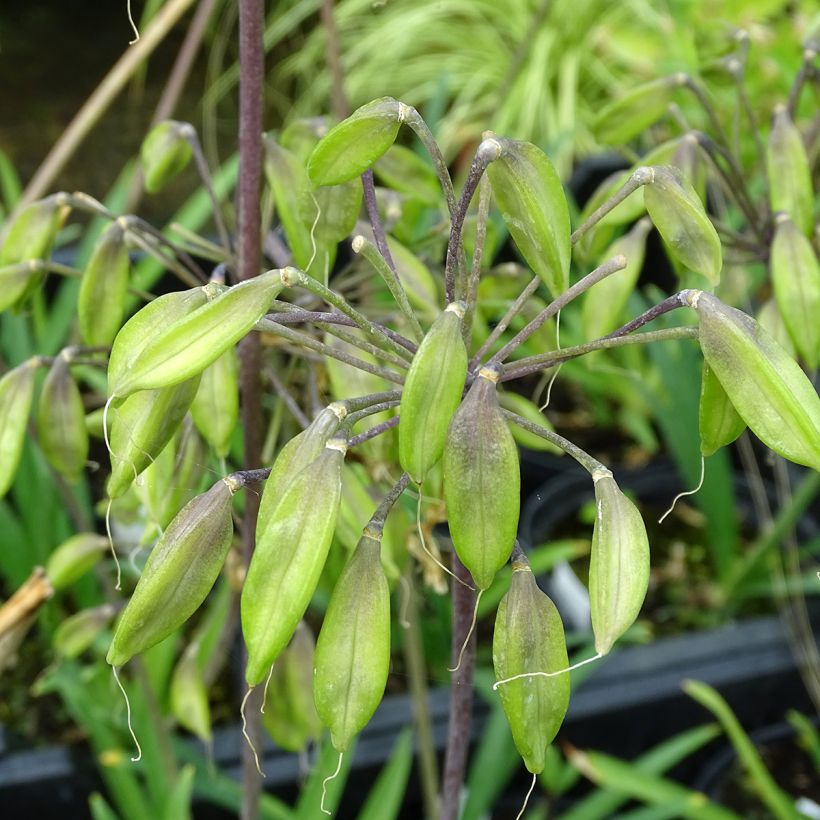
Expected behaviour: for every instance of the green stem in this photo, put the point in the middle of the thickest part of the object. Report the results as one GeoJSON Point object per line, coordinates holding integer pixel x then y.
{"type": "Point", "coordinates": [391, 278]}
{"type": "Point", "coordinates": [420, 128]}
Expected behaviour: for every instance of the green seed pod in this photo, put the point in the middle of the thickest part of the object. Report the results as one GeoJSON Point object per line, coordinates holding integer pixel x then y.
{"type": "Point", "coordinates": [796, 280]}
{"type": "Point", "coordinates": [61, 421]}
{"type": "Point", "coordinates": [789, 171]}
{"type": "Point", "coordinates": [353, 649]}
{"type": "Point", "coordinates": [291, 549]}
{"type": "Point", "coordinates": [719, 422]}
{"type": "Point", "coordinates": [352, 146]}
{"type": "Point", "coordinates": [529, 637]}
{"type": "Point", "coordinates": [144, 325]}
{"type": "Point", "coordinates": [532, 202]}
{"type": "Point", "coordinates": [632, 113]}
{"type": "Point", "coordinates": [403, 170]}
{"type": "Point", "coordinates": [679, 216]}
{"type": "Point", "coordinates": [302, 450]}
{"type": "Point", "coordinates": [769, 318]}
{"type": "Point", "coordinates": [104, 286]}
{"type": "Point", "coordinates": [75, 634]}
{"type": "Point", "coordinates": [189, 345]}
{"type": "Point", "coordinates": [618, 563]}
{"type": "Point", "coordinates": [32, 233]}
{"type": "Point", "coordinates": [16, 394]}
{"type": "Point", "coordinates": [604, 303]}
{"type": "Point", "coordinates": [767, 387]}
{"type": "Point", "coordinates": [529, 410]}
{"type": "Point", "coordinates": [189, 695]}
{"type": "Point", "coordinates": [164, 153]}
{"type": "Point", "coordinates": [215, 408]}
{"type": "Point", "coordinates": [432, 392]}
{"type": "Point", "coordinates": [482, 481]}
{"type": "Point", "coordinates": [179, 573]}
{"type": "Point", "coordinates": [290, 713]}
{"type": "Point", "coordinates": [74, 557]}
{"type": "Point", "coordinates": [141, 426]}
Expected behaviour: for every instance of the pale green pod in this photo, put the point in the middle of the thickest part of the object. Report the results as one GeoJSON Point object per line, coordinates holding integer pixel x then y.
{"type": "Point", "coordinates": [766, 386]}
{"type": "Point", "coordinates": [291, 549]}
{"type": "Point", "coordinates": [141, 426]}
{"type": "Point", "coordinates": [482, 481]}
{"type": "Point", "coordinates": [189, 695]}
{"type": "Point", "coordinates": [796, 281]}
{"type": "Point", "coordinates": [188, 346]}
{"type": "Point", "coordinates": [432, 392]}
{"type": "Point", "coordinates": [103, 289]}
{"type": "Point", "coordinates": [290, 713]}
{"type": "Point", "coordinates": [74, 557]}
{"type": "Point", "coordinates": [605, 302]}
{"type": "Point", "coordinates": [353, 649]}
{"type": "Point", "coordinates": [352, 146]}
{"type": "Point", "coordinates": [719, 423]}
{"type": "Point", "coordinates": [532, 202]}
{"type": "Point", "coordinates": [789, 172]}
{"type": "Point", "coordinates": [302, 450]}
{"type": "Point", "coordinates": [179, 573]}
{"type": "Point", "coordinates": [164, 153]}
{"type": "Point", "coordinates": [76, 634]}
{"type": "Point", "coordinates": [61, 421]}
{"type": "Point", "coordinates": [144, 325]}
{"type": "Point", "coordinates": [632, 113]}
{"type": "Point", "coordinates": [678, 214]}
{"type": "Point", "coordinates": [215, 408]}
{"type": "Point", "coordinates": [618, 563]}
{"type": "Point", "coordinates": [16, 394]}
{"type": "Point", "coordinates": [529, 637]}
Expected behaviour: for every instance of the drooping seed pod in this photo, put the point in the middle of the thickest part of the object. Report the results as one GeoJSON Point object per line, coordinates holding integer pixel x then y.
{"type": "Point", "coordinates": [679, 216]}
{"type": "Point", "coordinates": [632, 113]}
{"type": "Point", "coordinates": [352, 146]}
{"type": "Point", "coordinates": [164, 153]}
{"type": "Point", "coordinates": [74, 557]}
{"type": "Point", "coordinates": [481, 481]}
{"type": "Point", "coordinates": [796, 280]}
{"type": "Point", "coordinates": [303, 449]}
{"type": "Point", "coordinates": [189, 695]}
{"type": "Point", "coordinates": [179, 573]}
{"type": "Point", "coordinates": [789, 172]}
{"type": "Point", "coordinates": [432, 392]}
{"type": "Point", "coordinates": [290, 714]}
{"type": "Point", "coordinates": [188, 346]}
{"type": "Point", "coordinates": [604, 303]}
{"type": "Point", "coordinates": [29, 237]}
{"type": "Point", "coordinates": [353, 648]}
{"type": "Point", "coordinates": [215, 408]}
{"type": "Point", "coordinates": [16, 394]}
{"type": "Point", "coordinates": [719, 422]}
{"type": "Point", "coordinates": [141, 426]}
{"type": "Point", "coordinates": [61, 421]}
{"type": "Point", "coordinates": [532, 202]}
{"type": "Point", "coordinates": [104, 286]}
{"type": "Point", "coordinates": [529, 637]}
{"type": "Point", "coordinates": [291, 549]}
{"type": "Point", "coordinates": [767, 387]}
{"type": "Point", "coordinates": [144, 325]}
{"type": "Point", "coordinates": [618, 563]}
{"type": "Point", "coordinates": [76, 634]}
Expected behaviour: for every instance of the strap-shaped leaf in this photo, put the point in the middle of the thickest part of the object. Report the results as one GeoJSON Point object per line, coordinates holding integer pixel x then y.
{"type": "Point", "coordinates": [351, 147]}
{"type": "Point", "coordinates": [532, 202]}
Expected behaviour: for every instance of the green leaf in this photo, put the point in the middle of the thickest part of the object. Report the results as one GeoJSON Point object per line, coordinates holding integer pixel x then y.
{"type": "Point", "coordinates": [632, 113]}
{"type": "Point", "coordinates": [100, 810]}
{"type": "Point", "coordinates": [311, 797]}
{"type": "Point", "coordinates": [385, 798]}
{"type": "Point", "coordinates": [351, 147]}
{"type": "Point", "coordinates": [178, 804]}
{"type": "Point", "coordinates": [780, 803]}
{"type": "Point", "coordinates": [532, 202]}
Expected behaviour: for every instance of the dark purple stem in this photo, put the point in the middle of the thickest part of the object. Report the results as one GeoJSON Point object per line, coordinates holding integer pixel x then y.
{"type": "Point", "coordinates": [673, 302]}
{"type": "Point", "coordinates": [373, 432]}
{"type": "Point", "coordinates": [251, 102]}
{"type": "Point", "coordinates": [461, 694]}
{"type": "Point", "coordinates": [372, 207]}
